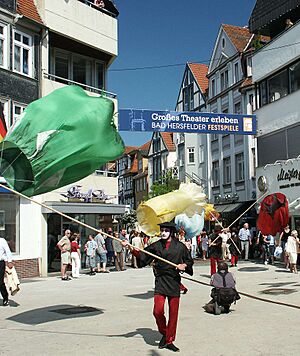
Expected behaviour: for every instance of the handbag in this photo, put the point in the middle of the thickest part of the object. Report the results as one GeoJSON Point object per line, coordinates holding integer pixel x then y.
{"type": "Point", "coordinates": [278, 251]}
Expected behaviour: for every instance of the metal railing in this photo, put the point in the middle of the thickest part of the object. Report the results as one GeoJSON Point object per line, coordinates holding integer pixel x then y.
{"type": "Point", "coordinates": [84, 86]}
{"type": "Point", "coordinates": [99, 8]}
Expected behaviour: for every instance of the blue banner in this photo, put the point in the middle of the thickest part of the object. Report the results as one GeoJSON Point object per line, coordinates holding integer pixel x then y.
{"type": "Point", "coordinates": [189, 122]}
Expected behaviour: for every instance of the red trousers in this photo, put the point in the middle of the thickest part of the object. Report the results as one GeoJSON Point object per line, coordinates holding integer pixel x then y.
{"type": "Point", "coordinates": [213, 265]}
{"type": "Point", "coordinates": [234, 260]}
{"type": "Point", "coordinates": [169, 330]}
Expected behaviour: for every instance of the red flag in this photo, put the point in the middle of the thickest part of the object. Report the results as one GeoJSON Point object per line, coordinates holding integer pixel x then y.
{"type": "Point", "coordinates": [3, 128]}
{"type": "Point", "coordinates": [274, 214]}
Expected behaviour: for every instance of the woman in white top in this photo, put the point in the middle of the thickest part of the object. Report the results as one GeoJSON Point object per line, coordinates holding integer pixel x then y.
{"type": "Point", "coordinates": [291, 248]}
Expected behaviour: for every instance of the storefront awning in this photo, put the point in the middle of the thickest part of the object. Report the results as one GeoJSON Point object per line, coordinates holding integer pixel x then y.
{"type": "Point", "coordinates": [228, 208]}
{"type": "Point", "coordinates": [85, 208]}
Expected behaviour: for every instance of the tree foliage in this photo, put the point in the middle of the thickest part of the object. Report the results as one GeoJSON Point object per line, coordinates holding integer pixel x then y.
{"type": "Point", "coordinates": [164, 185]}
{"type": "Point", "coordinates": [129, 219]}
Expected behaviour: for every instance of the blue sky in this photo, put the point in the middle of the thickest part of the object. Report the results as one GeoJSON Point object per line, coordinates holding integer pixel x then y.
{"type": "Point", "coordinates": [165, 32]}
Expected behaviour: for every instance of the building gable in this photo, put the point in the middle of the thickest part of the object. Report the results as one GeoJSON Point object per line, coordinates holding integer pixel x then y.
{"type": "Point", "coordinates": [223, 48]}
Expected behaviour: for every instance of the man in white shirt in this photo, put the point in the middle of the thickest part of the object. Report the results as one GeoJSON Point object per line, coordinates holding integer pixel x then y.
{"type": "Point", "coordinates": [245, 237]}
{"type": "Point", "coordinates": [5, 258]}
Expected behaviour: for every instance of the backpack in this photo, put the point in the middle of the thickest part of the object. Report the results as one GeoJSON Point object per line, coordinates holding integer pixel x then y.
{"type": "Point", "coordinates": [226, 295]}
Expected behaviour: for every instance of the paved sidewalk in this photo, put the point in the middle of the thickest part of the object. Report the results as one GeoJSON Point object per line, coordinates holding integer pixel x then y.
{"type": "Point", "coordinates": [113, 315]}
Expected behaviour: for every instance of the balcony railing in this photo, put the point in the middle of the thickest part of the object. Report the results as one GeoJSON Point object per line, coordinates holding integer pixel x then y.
{"type": "Point", "coordinates": [93, 3]}
{"type": "Point", "coordinates": [84, 86]}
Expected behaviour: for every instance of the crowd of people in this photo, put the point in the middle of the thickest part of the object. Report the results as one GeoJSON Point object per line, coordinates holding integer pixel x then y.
{"type": "Point", "coordinates": [219, 244]}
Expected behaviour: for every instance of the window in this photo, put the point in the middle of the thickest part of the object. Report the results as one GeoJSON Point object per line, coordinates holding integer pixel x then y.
{"type": "Point", "coordinates": [191, 155]}
{"type": "Point", "coordinates": [224, 80]}
{"type": "Point", "coordinates": [140, 164]}
{"type": "Point", "coordinates": [188, 98]}
{"type": "Point", "coordinates": [62, 65]}
{"type": "Point", "coordinates": [5, 112]}
{"type": "Point", "coordinates": [236, 72]}
{"type": "Point", "coordinates": [82, 70]}
{"type": "Point", "coordinates": [263, 96]}
{"type": "Point", "coordinates": [278, 86]}
{"type": "Point", "coordinates": [214, 137]}
{"type": "Point", "coordinates": [3, 45]}
{"type": "Point", "coordinates": [78, 68]}
{"type": "Point", "coordinates": [156, 145]}
{"type": "Point", "coordinates": [22, 53]}
{"type": "Point", "coordinates": [213, 88]}
{"type": "Point", "coordinates": [9, 219]}
{"type": "Point", "coordinates": [239, 167]}
{"type": "Point", "coordinates": [215, 174]}
{"type": "Point", "coordinates": [238, 108]}
{"type": "Point", "coordinates": [249, 66]}
{"type": "Point", "coordinates": [201, 154]}
{"type": "Point", "coordinates": [295, 77]}
{"type": "Point", "coordinates": [227, 170]}
{"type": "Point", "coordinates": [17, 111]}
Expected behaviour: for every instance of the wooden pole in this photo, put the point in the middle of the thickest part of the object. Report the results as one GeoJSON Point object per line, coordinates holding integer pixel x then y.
{"type": "Point", "coordinates": [219, 236]}
{"type": "Point", "coordinates": [85, 225]}
{"type": "Point", "coordinates": [237, 219]}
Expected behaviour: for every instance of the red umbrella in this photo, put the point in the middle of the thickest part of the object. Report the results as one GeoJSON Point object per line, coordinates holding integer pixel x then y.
{"type": "Point", "coordinates": [274, 214]}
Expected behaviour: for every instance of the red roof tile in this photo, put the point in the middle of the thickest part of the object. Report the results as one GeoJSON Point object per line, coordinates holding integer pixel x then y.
{"type": "Point", "coordinates": [129, 149]}
{"type": "Point", "coordinates": [145, 146]}
{"type": "Point", "coordinates": [246, 83]}
{"type": "Point", "coordinates": [239, 36]}
{"type": "Point", "coordinates": [199, 71]}
{"type": "Point", "coordinates": [28, 9]}
{"type": "Point", "coordinates": [168, 140]}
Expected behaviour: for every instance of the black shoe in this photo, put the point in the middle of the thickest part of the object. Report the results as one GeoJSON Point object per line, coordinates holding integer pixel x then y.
{"type": "Point", "coordinates": [5, 302]}
{"type": "Point", "coordinates": [172, 347]}
{"type": "Point", "coordinates": [162, 342]}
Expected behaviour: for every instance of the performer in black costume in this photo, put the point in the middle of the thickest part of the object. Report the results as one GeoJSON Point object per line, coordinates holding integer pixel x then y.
{"type": "Point", "coordinates": [167, 280]}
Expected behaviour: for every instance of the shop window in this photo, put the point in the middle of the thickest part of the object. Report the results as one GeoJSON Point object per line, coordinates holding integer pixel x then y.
{"type": "Point", "coordinates": [9, 219]}
{"type": "Point", "coordinates": [22, 58]}
{"type": "Point", "coordinates": [3, 45]}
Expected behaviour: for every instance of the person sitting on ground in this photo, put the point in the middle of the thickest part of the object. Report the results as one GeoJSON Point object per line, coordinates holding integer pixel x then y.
{"type": "Point", "coordinates": [224, 293]}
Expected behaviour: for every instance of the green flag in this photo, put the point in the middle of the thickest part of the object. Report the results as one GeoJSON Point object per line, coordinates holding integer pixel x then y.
{"type": "Point", "coordinates": [59, 139]}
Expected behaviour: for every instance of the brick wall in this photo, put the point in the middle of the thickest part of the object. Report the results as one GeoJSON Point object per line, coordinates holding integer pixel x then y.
{"type": "Point", "coordinates": [27, 268]}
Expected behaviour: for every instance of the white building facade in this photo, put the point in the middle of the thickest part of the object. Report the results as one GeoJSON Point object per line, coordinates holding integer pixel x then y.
{"type": "Point", "coordinates": [79, 42]}
{"type": "Point", "coordinates": [231, 158]}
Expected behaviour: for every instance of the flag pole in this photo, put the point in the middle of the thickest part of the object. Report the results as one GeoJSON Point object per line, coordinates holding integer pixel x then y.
{"type": "Point", "coordinates": [239, 216]}
{"type": "Point", "coordinates": [84, 224]}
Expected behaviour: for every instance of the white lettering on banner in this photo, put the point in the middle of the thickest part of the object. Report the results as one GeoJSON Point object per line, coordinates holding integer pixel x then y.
{"type": "Point", "coordinates": [186, 117]}
{"type": "Point", "coordinates": [167, 117]}
{"type": "Point", "coordinates": [224, 120]}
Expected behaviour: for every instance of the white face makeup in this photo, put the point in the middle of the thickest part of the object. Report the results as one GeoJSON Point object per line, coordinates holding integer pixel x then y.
{"type": "Point", "coordinates": [165, 234]}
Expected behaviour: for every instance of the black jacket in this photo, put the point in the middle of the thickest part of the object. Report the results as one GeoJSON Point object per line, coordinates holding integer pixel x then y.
{"type": "Point", "coordinates": [167, 277]}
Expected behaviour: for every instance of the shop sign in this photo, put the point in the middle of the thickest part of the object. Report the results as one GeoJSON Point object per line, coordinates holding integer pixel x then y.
{"type": "Point", "coordinates": [190, 122]}
{"type": "Point", "coordinates": [74, 194]}
{"type": "Point", "coordinates": [282, 176]}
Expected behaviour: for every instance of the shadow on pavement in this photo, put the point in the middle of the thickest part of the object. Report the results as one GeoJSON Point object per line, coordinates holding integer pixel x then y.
{"type": "Point", "coordinates": [253, 269]}
{"type": "Point", "coordinates": [282, 270]}
{"type": "Point", "coordinates": [147, 295]}
{"type": "Point", "coordinates": [154, 353]}
{"type": "Point", "coordinates": [54, 313]}
{"type": "Point", "coordinates": [277, 284]}
{"type": "Point", "coordinates": [150, 336]}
